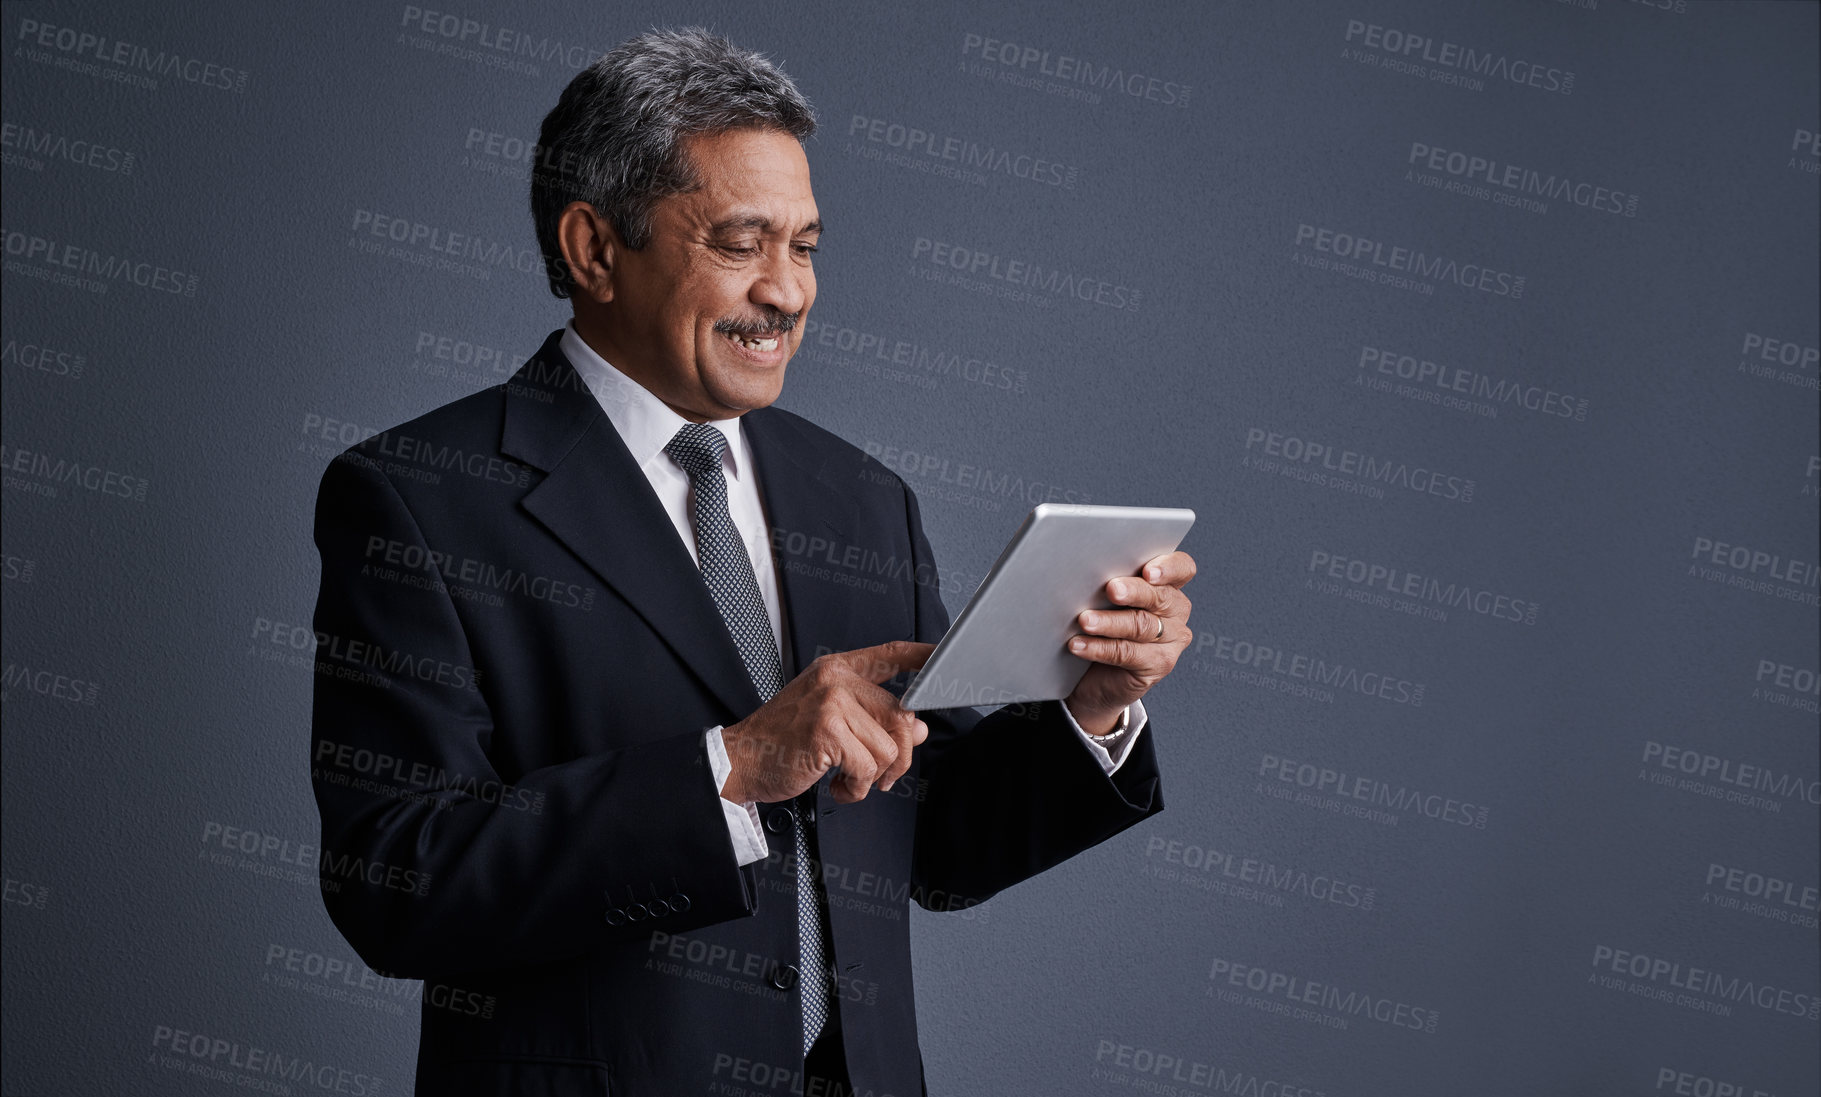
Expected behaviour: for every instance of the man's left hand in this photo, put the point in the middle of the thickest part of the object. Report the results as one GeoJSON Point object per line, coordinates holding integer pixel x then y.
{"type": "Point", "coordinates": [1134, 648]}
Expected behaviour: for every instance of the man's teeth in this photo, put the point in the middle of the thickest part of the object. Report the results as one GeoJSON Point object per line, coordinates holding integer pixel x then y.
{"type": "Point", "coordinates": [768, 343]}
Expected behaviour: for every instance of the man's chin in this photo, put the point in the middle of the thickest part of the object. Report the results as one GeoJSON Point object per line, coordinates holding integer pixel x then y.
{"type": "Point", "coordinates": [739, 399]}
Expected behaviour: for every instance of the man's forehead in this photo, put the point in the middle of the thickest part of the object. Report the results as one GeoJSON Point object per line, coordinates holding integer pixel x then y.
{"type": "Point", "coordinates": [744, 220]}
{"type": "Point", "coordinates": [750, 172]}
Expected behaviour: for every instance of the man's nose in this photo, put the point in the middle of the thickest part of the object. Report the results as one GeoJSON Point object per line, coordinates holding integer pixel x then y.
{"type": "Point", "coordinates": [783, 284]}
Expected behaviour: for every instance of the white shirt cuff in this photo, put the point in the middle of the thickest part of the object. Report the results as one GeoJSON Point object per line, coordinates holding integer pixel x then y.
{"type": "Point", "coordinates": [742, 819]}
{"type": "Point", "coordinates": [1111, 760]}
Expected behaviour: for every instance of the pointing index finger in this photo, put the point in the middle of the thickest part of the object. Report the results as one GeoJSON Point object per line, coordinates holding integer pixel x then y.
{"type": "Point", "coordinates": [883, 662]}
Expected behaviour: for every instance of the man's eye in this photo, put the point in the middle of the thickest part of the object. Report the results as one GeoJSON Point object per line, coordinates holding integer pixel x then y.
{"type": "Point", "coordinates": [738, 249]}
{"type": "Point", "coordinates": [806, 249]}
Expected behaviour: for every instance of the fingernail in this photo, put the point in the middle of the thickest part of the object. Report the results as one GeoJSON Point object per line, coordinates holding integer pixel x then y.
{"type": "Point", "coordinates": [1119, 587]}
{"type": "Point", "coordinates": [1090, 619]}
{"type": "Point", "coordinates": [1153, 573]}
{"type": "Point", "coordinates": [1077, 644]}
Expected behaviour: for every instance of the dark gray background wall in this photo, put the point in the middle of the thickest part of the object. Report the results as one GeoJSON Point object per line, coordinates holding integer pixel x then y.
{"type": "Point", "coordinates": [1549, 808]}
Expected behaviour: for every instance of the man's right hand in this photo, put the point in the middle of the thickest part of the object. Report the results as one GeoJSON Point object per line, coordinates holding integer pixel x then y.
{"type": "Point", "coordinates": [833, 714]}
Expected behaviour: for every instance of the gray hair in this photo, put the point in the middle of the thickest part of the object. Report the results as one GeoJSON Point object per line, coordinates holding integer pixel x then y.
{"type": "Point", "coordinates": [614, 138]}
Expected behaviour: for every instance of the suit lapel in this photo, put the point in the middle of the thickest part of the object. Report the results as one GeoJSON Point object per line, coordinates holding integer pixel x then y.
{"type": "Point", "coordinates": [598, 503]}
{"type": "Point", "coordinates": [806, 509]}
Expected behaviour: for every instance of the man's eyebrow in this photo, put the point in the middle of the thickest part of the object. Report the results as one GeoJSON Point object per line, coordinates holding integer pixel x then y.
{"type": "Point", "coordinates": [758, 221]}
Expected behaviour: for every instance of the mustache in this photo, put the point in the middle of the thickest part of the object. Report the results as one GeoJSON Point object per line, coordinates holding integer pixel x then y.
{"type": "Point", "coordinates": [773, 322]}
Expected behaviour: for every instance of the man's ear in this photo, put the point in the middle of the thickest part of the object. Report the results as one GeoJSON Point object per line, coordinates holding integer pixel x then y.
{"type": "Point", "coordinates": [589, 247]}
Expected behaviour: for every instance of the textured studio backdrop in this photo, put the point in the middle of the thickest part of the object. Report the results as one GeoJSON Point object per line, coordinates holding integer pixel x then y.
{"type": "Point", "coordinates": [1483, 339]}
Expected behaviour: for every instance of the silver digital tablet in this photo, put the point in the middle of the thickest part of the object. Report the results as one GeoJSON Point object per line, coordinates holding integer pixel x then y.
{"type": "Point", "coordinates": [1010, 642]}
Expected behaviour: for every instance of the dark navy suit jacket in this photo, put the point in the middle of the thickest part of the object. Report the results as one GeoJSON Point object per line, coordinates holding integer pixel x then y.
{"type": "Point", "coordinates": [516, 661]}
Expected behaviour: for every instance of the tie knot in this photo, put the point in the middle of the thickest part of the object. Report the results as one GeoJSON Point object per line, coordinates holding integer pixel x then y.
{"type": "Point", "coordinates": [697, 448]}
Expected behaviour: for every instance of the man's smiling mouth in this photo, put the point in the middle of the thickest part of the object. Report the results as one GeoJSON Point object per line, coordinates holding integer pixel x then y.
{"type": "Point", "coordinates": [760, 343]}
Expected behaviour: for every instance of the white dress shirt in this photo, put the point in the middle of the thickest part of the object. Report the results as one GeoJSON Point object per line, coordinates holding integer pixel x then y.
{"type": "Point", "coordinates": [646, 424]}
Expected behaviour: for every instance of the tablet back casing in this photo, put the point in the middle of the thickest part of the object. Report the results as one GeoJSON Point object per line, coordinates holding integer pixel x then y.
{"type": "Point", "coordinates": [1009, 643]}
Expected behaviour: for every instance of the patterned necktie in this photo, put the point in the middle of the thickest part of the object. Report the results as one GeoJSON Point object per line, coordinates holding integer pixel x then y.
{"type": "Point", "coordinates": [727, 570]}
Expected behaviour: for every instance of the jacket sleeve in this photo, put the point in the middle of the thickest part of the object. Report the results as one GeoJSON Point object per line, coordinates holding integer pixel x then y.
{"type": "Point", "coordinates": [430, 863]}
{"type": "Point", "coordinates": [1013, 793]}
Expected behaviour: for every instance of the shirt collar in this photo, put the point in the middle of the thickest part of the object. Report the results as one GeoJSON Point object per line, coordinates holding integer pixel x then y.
{"type": "Point", "coordinates": [645, 423]}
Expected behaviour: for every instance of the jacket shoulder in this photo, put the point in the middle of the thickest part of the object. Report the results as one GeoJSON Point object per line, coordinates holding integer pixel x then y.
{"type": "Point", "coordinates": [834, 452]}
{"type": "Point", "coordinates": [472, 422]}
{"type": "Point", "coordinates": [462, 429]}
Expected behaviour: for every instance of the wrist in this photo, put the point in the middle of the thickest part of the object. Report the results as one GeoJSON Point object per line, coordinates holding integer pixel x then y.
{"type": "Point", "coordinates": [1097, 723]}
{"type": "Point", "coordinates": [733, 790]}
{"type": "Point", "coordinates": [726, 767]}
{"type": "Point", "coordinates": [1108, 739]}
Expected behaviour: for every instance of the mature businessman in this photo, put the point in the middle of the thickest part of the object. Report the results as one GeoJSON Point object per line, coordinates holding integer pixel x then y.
{"type": "Point", "coordinates": [620, 777]}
